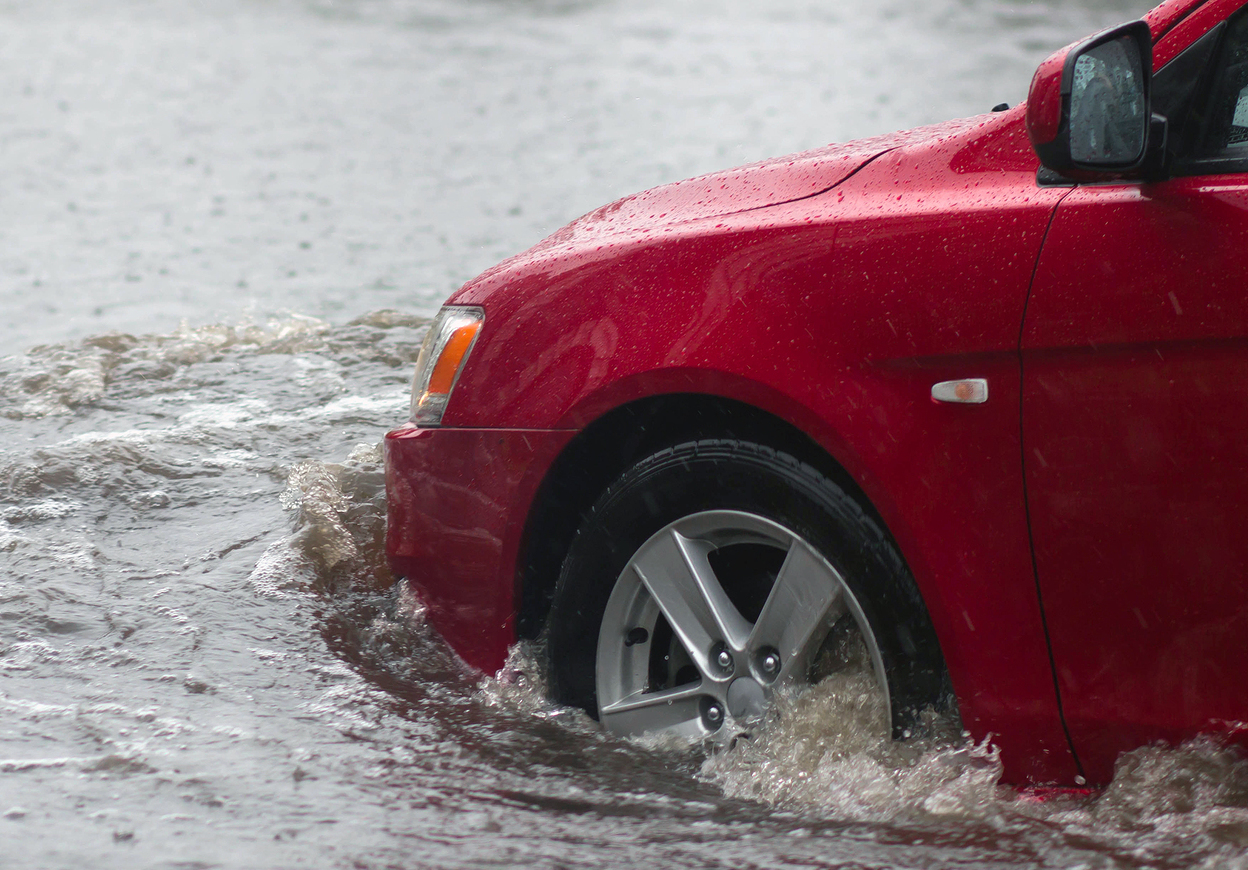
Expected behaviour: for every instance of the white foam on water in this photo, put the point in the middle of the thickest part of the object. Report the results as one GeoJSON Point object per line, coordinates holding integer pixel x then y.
{"type": "Point", "coordinates": [43, 509]}
{"type": "Point", "coordinates": [826, 753]}
{"type": "Point", "coordinates": [349, 406]}
{"type": "Point", "coordinates": [56, 380]}
{"type": "Point", "coordinates": [10, 539]}
{"type": "Point", "coordinates": [1192, 797]}
{"type": "Point", "coordinates": [521, 687]}
{"type": "Point", "coordinates": [828, 749]}
{"type": "Point", "coordinates": [280, 572]}
{"type": "Point", "coordinates": [231, 458]}
{"type": "Point", "coordinates": [242, 411]}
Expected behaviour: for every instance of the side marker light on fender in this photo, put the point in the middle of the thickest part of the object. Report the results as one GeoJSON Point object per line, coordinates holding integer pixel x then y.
{"type": "Point", "coordinates": [972, 391]}
{"type": "Point", "coordinates": [442, 356]}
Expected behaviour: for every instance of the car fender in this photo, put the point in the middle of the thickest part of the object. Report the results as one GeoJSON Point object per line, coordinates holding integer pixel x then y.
{"type": "Point", "coordinates": [836, 313]}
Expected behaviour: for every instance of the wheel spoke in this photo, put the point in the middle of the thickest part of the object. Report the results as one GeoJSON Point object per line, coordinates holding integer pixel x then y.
{"type": "Point", "coordinates": [675, 710]}
{"type": "Point", "coordinates": [677, 573]}
{"type": "Point", "coordinates": [806, 597]}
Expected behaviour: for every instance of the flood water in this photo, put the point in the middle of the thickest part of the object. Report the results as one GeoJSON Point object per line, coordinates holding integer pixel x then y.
{"type": "Point", "coordinates": [225, 225]}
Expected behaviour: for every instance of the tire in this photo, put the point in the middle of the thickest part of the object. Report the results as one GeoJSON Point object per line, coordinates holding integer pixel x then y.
{"type": "Point", "coordinates": [711, 574]}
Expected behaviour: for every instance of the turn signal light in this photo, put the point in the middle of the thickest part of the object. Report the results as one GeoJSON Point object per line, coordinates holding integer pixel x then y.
{"type": "Point", "coordinates": [442, 356]}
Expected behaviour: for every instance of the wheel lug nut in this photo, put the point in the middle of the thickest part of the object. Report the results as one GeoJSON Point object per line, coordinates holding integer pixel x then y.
{"type": "Point", "coordinates": [724, 659]}
{"type": "Point", "coordinates": [712, 712]}
{"type": "Point", "coordinates": [770, 665]}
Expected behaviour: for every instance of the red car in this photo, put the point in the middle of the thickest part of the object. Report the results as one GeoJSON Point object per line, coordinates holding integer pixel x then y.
{"type": "Point", "coordinates": [977, 391]}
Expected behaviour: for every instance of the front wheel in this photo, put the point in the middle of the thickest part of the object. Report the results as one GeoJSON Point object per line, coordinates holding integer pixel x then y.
{"type": "Point", "coordinates": [711, 575]}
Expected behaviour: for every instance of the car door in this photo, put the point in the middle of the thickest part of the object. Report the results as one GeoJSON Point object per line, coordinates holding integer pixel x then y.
{"type": "Point", "coordinates": [1135, 430]}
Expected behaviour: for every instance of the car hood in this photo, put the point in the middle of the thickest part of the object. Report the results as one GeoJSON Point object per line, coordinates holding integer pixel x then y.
{"type": "Point", "coordinates": [732, 191]}
{"type": "Point", "coordinates": [654, 213]}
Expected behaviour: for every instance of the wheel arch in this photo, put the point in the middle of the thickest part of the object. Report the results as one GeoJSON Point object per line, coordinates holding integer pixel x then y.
{"type": "Point", "coordinates": [613, 442]}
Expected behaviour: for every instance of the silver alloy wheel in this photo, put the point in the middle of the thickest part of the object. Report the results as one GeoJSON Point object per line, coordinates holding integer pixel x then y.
{"type": "Point", "coordinates": [718, 663]}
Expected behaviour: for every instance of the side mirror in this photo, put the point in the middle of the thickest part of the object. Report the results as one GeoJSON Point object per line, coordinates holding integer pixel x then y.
{"type": "Point", "coordinates": [1088, 109]}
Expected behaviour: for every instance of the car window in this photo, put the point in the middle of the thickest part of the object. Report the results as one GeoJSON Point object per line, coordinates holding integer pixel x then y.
{"type": "Point", "coordinates": [1226, 127]}
{"type": "Point", "coordinates": [1177, 85]}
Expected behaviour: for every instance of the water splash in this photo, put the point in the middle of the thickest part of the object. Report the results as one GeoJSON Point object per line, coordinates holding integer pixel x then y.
{"type": "Point", "coordinates": [521, 687]}
{"type": "Point", "coordinates": [828, 750]}
{"type": "Point", "coordinates": [338, 543]}
{"type": "Point", "coordinates": [340, 525]}
{"type": "Point", "coordinates": [1168, 805]}
{"type": "Point", "coordinates": [825, 755]}
{"type": "Point", "coordinates": [58, 379]}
